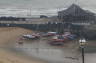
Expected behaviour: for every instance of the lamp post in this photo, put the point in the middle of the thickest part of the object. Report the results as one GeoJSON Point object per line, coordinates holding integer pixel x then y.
{"type": "Point", "coordinates": [82, 43]}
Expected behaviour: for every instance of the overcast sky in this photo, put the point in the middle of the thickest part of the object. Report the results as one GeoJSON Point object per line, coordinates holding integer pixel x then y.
{"type": "Point", "coordinates": [45, 3]}
{"type": "Point", "coordinates": [43, 6]}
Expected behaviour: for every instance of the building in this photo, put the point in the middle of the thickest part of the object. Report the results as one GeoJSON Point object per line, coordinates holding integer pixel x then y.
{"type": "Point", "coordinates": [76, 15]}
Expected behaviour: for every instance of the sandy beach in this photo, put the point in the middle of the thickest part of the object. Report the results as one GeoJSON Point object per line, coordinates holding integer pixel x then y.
{"type": "Point", "coordinates": [9, 35]}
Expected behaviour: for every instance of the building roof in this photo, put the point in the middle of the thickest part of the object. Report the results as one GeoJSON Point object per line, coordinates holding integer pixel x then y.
{"type": "Point", "coordinates": [75, 10]}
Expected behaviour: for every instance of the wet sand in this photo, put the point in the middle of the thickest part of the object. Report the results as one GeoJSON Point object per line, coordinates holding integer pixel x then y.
{"type": "Point", "coordinates": [8, 35]}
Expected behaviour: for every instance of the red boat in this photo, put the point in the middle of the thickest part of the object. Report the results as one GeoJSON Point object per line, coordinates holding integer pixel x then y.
{"type": "Point", "coordinates": [58, 40]}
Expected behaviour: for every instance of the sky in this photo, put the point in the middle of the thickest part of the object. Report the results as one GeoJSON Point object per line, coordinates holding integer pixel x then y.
{"type": "Point", "coordinates": [38, 7]}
